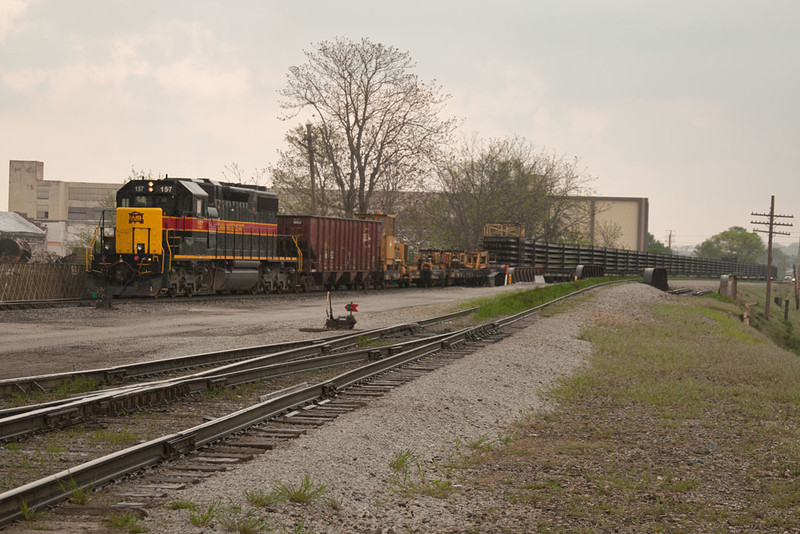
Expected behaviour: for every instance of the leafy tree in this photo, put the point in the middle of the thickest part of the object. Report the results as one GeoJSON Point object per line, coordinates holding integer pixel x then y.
{"type": "Point", "coordinates": [377, 124]}
{"type": "Point", "coordinates": [508, 181]}
{"type": "Point", "coordinates": [734, 244]}
{"type": "Point", "coordinates": [655, 246]}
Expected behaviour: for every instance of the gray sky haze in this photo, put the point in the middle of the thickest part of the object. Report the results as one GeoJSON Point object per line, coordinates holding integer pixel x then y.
{"type": "Point", "coordinates": [692, 104]}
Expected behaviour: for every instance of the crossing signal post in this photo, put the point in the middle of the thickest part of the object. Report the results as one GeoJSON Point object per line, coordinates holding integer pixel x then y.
{"type": "Point", "coordinates": [770, 222]}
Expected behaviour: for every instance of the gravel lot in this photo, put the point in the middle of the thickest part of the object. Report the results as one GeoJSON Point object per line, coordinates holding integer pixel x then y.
{"type": "Point", "coordinates": [34, 342]}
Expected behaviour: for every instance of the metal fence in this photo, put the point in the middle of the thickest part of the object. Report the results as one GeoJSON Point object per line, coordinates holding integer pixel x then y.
{"type": "Point", "coordinates": [41, 281]}
{"type": "Point", "coordinates": [557, 258]}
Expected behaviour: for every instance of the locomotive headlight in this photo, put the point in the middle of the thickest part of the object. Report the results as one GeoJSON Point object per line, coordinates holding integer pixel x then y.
{"type": "Point", "coordinates": [150, 187]}
{"type": "Point", "coordinates": [140, 248]}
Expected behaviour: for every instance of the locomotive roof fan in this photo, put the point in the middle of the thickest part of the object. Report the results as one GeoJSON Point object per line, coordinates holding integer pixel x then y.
{"type": "Point", "coordinates": [343, 322]}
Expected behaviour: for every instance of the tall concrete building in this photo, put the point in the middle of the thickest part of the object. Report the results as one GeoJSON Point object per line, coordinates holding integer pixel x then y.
{"type": "Point", "coordinates": [65, 209]}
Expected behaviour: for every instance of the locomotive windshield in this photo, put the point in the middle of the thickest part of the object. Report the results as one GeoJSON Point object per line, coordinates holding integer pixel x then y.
{"type": "Point", "coordinates": [165, 202]}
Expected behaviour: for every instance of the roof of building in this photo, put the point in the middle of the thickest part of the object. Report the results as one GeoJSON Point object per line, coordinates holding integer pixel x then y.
{"type": "Point", "coordinates": [15, 224]}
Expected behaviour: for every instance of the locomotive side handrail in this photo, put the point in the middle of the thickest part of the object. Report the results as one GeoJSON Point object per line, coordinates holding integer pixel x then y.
{"type": "Point", "coordinates": [89, 251]}
{"type": "Point", "coordinates": [169, 252]}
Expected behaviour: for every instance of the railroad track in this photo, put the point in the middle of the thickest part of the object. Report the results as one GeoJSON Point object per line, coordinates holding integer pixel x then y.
{"type": "Point", "coordinates": [299, 406]}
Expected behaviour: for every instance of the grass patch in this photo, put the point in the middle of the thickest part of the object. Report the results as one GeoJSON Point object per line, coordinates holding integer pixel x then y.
{"type": "Point", "coordinates": [181, 505]}
{"type": "Point", "coordinates": [127, 521]}
{"type": "Point", "coordinates": [689, 422]}
{"type": "Point", "coordinates": [512, 302]}
{"type": "Point", "coordinates": [785, 333]}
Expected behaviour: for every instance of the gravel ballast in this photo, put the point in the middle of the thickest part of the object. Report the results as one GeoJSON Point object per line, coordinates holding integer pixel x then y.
{"type": "Point", "coordinates": [436, 417]}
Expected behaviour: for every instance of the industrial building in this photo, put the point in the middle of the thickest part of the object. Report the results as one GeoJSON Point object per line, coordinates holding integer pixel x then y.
{"type": "Point", "coordinates": [67, 210]}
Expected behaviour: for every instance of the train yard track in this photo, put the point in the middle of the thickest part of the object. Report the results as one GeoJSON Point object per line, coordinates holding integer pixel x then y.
{"type": "Point", "coordinates": [191, 453]}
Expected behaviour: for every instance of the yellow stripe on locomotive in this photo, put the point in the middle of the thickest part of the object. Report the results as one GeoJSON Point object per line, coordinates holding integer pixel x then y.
{"type": "Point", "coordinates": [139, 231]}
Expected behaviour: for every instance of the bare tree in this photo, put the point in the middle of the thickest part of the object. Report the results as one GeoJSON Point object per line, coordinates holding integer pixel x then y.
{"type": "Point", "coordinates": [141, 174]}
{"type": "Point", "coordinates": [233, 173]}
{"type": "Point", "coordinates": [508, 181]}
{"type": "Point", "coordinates": [608, 234]}
{"type": "Point", "coordinates": [378, 124]}
{"type": "Point", "coordinates": [290, 177]}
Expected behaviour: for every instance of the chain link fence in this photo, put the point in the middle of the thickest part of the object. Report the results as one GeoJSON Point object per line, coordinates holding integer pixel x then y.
{"type": "Point", "coordinates": [41, 281]}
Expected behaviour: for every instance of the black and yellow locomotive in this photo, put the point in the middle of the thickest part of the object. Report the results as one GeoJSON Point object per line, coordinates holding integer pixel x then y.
{"type": "Point", "coordinates": [185, 236]}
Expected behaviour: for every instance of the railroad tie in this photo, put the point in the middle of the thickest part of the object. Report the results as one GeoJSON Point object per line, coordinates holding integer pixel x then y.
{"type": "Point", "coordinates": [304, 420]}
{"type": "Point", "coordinates": [280, 433]}
{"type": "Point", "coordinates": [201, 468]}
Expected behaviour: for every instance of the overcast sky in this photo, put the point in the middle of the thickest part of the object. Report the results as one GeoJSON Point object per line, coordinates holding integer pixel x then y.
{"type": "Point", "coordinates": [694, 105]}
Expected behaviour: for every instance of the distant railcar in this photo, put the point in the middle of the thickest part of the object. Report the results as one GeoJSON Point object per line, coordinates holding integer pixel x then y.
{"type": "Point", "coordinates": [336, 252]}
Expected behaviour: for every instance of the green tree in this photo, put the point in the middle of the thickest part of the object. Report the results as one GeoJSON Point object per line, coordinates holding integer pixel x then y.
{"type": "Point", "coordinates": [377, 123]}
{"type": "Point", "coordinates": [734, 244]}
{"type": "Point", "coordinates": [655, 246]}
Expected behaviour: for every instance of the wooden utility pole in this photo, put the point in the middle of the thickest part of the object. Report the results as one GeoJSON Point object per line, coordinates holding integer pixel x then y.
{"type": "Point", "coordinates": [771, 224]}
{"type": "Point", "coordinates": [311, 166]}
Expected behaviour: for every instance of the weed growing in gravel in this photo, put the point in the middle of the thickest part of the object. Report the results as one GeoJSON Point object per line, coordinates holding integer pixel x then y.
{"type": "Point", "coordinates": [77, 494]}
{"type": "Point", "coordinates": [79, 384]}
{"type": "Point", "coordinates": [409, 477]}
{"type": "Point", "coordinates": [248, 524]}
{"type": "Point", "coordinates": [301, 494]}
{"type": "Point", "coordinates": [30, 513]}
{"type": "Point", "coordinates": [260, 498]}
{"type": "Point", "coordinates": [334, 503]}
{"type": "Point", "coordinates": [204, 518]}
{"type": "Point", "coordinates": [126, 520]}
{"type": "Point", "coordinates": [113, 438]}
{"type": "Point", "coordinates": [181, 505]}
{"type": "Point", "coordinates": [368, 341]}
{"type": "Point", "coordinates": [53, 445]}
{"type": "Point", "coordinates": [483, 443]}
{"type": "Point", "coordinates": [232, 393]}
{"type": "Point", "coordinates": [299, 528]}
